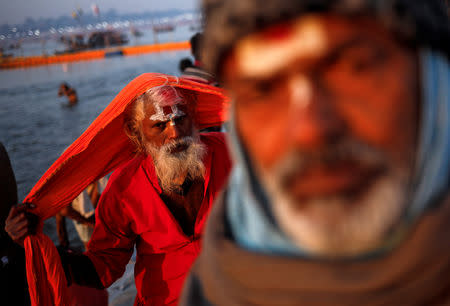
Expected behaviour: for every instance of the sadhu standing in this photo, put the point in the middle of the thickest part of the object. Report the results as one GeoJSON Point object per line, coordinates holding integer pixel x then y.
{"type": "Point", "coordinates": [157, 201]}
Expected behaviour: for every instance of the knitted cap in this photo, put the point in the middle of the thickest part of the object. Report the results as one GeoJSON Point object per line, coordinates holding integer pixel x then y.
{"type": "Point", "coordinates": [416, 22]}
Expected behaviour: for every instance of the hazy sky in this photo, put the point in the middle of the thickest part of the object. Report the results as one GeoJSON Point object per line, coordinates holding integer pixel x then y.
{"type": "Point", "coordinates": [15, 11]}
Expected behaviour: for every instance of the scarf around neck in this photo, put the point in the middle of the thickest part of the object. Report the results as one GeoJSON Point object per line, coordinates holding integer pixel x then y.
{"type": "Point", "coordinates": [415, 273]}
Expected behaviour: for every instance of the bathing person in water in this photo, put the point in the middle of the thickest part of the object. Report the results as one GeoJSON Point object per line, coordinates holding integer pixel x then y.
{"type": "Point", "coordinates": [69, 92]}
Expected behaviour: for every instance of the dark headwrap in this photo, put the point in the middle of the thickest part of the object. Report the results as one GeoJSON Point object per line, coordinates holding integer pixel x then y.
{"type": "Point", "coordinates": [416, 22]}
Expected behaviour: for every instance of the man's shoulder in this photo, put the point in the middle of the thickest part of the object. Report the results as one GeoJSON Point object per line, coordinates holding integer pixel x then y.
{"type": "Point", "coordinates": [128, 168]}
{"type": "Point", "coordinates": [124, 175]}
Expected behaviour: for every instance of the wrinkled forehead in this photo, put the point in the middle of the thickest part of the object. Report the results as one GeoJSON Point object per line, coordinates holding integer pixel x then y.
{"type": "Point", "coordinates": [306, 42]}
{"type": "Point", "coordinates": [267, 51]}
{"type": "Point", "coordinates": [308, 39]}
{"type": "Point", "coordinates": [167, 96]}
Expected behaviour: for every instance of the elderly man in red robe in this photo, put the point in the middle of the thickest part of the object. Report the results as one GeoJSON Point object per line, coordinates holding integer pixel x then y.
{"type": "Point", "coordinates": [156, 202]}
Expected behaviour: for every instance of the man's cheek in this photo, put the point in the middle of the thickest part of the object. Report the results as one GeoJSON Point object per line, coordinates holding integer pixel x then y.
{"type": "Point", "coordinates": [157, 140]}
{"type": "Point", "coordinates": [264, 136]}
{"type": "Point", "coordinates": [189, 127]}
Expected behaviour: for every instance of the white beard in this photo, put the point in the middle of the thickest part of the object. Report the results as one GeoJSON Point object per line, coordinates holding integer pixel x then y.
{"type": "Point", "coordinates": [169, 166]}
{"type": "Point", "coordinates": [337, 225]}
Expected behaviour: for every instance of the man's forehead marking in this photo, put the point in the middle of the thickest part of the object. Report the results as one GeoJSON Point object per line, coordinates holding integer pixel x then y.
{"type": "Point", "coordinates": [258, 56]}
{"type": "Point", "coordinates": [166, 112]}
{"type": "Point", "coordinates": [167, 107]}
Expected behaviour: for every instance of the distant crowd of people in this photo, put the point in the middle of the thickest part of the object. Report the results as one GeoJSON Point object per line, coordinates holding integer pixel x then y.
{"type": "Point", "coordinates": [331, 187]}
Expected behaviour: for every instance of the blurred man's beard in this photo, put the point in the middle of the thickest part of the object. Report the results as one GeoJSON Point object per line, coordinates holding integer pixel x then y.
{"type": "Point", "coordinates": [345, 223]}
{"type": "Point", "coordinates": [169, 166]}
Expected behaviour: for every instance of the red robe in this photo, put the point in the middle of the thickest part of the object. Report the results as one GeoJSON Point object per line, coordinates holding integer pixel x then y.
{"type": "Point", "coordinates": [131, 213]}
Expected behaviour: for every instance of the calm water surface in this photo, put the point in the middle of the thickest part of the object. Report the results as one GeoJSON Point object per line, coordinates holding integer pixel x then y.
{"type": "Point", "coordinates": [36, 125]}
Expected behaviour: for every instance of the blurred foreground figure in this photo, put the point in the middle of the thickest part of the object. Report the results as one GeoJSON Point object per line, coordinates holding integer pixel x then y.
{"type": "Point", "coordinates": [157, 202]}
{"type": "Point", "coordinates": [13, 281]}
{"type": "Point", "coordinates": [69, 92]}
{"type": "Point", "coordinates": [342, 136]}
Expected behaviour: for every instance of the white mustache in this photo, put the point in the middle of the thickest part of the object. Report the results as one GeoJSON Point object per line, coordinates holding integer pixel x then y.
{"type": "Point", "coordinates": [184, 141]}
{"type": "Point", "coordinates": [295, 162]}
{"type": "Point", "coordinates": [169, 165]}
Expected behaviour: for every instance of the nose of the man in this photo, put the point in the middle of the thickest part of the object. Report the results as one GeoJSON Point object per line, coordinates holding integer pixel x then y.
{"type": "Point", "coordinates": [312, 121]}
{"type": "Point", "coordinates": [173, 131]}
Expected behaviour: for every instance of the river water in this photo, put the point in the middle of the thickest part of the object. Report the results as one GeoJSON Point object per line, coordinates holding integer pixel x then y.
{"type": "Point", "coordinates": [36, 125]}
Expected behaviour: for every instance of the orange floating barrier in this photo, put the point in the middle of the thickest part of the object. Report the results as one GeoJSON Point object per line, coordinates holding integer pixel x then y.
{"type": "Point", "coordinates": [22, 62]}
{"type": "Point", "coordinates": [134, 50]}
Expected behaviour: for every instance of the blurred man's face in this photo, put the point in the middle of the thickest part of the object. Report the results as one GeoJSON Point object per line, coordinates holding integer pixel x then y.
{"type": "Point", "coordinates": [326, 108]}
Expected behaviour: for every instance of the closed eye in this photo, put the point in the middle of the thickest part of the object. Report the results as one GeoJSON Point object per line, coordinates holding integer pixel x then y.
{"type": "Point", "coordinates": [160, 125]}
{"type": "Point", "coordinates": [180, 119]}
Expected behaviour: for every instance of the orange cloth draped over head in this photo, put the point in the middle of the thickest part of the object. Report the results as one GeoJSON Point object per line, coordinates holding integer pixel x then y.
{"type": "Point", "coordinates": [99, 150]}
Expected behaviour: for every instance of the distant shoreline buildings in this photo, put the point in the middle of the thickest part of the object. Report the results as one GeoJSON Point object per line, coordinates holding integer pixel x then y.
{"type": "Point", "coordinates": [48, 28]}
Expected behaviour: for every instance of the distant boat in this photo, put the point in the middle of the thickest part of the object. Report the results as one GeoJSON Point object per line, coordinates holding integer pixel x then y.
{"type": "Point", "coordinates": [14, 45]}
{"type": "Point", "coordinates": [135, 32]}
{"type": "Point", "coordinates": [95, 40]}
{"type": "Point", "coordinates": [5, 55]}
{"type": "Point", "coordinates": [163, 28]}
